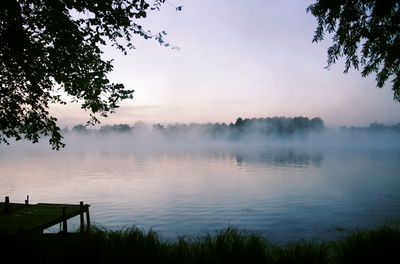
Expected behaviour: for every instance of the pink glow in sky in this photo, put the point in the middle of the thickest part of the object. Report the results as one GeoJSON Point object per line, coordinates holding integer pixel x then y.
{"type": "Point", "coordinates": [248, 58]}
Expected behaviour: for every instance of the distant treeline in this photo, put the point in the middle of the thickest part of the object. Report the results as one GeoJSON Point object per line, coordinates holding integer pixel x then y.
{"type": "Point", "coordinates": [271, 126]}
{"type": "Point", "coordinates": [373, 128]}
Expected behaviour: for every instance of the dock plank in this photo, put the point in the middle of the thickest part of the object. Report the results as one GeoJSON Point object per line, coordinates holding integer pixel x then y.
{"type": "Point", "coordinates": [38, 217]}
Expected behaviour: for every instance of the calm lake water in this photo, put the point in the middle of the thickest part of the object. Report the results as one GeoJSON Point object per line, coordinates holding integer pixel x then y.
{"type": "Point", "coordinates": [283, 192]}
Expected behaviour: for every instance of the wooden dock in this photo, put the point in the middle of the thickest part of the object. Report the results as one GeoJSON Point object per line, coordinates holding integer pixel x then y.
{"type": "Point", "coordinates": [18, 217]}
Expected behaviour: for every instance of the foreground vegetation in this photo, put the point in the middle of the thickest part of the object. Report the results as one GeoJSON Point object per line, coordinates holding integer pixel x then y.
{"type": "Point", "coordinates": [229, 246]}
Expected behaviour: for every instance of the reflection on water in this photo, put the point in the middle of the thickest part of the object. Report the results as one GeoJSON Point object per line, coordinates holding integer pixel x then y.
{"type": "Point", "coordinates": [280, 157]}
{"type": "Point", "coordinates": [284, 193]}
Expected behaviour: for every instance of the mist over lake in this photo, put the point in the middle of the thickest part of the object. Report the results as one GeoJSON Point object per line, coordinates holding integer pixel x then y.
{"type": "Point", "coordinates": [206, 132]}
{"type": "Point", "coordinates": [318, 185]}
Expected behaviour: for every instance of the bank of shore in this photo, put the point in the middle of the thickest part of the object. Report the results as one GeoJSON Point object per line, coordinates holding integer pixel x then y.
{"type": "Point", "coordinates": [381, 245]}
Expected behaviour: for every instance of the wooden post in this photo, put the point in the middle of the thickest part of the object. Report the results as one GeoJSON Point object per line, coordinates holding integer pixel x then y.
{"type": "Point", "coordinates": [27, 201]}
{"type": "Point", "coordinates": [6, 205]}
{"type": "Point", "coordinates": [64, 220]}
{"type": "Point", "coordinates": [87, 218]}
{"type": "Point", "coordinates": [82, 209]}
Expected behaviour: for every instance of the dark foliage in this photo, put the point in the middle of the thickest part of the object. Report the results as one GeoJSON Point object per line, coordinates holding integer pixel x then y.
{"type": "Point", "coordinates": [374, 128]}
{"type": "Point", "coordinates": [48, 47]}
{"type": "Point", "coordinates": [376, 246]}
{"type": "Point", "coordinates": [366, 33]}
{"type": "Point", "coordinates": [241, 129]}
{"type": "Point", "coordinates": [124, 128]}
{"type": "Point", "coordinates": [249, 127]}
{"type": "Point", "coordinates": [228, 246]}
{"type": "Point", "coordinates": [80, 129]}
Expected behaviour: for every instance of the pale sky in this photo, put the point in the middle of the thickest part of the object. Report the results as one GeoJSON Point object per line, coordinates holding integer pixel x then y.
{"type": "Point", "coordinates": [238, 58]}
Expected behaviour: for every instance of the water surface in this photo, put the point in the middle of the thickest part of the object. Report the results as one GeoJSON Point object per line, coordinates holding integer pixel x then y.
{"type": "Point", "coordinates": [283, 192]}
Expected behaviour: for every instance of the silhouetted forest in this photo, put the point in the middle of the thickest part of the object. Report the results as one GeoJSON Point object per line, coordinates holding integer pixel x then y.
{"type": "Point", "coordinates": [374, 127]}
{"type": "Point", "coordinates": [270, 126]}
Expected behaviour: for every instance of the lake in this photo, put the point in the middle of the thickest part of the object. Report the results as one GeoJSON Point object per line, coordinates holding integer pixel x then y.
{"type": "Point", "coordinates": [281, 191]}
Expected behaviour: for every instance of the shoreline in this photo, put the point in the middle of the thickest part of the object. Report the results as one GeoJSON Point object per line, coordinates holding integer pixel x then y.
{"type": "Point", "coordinates": [231, 245]}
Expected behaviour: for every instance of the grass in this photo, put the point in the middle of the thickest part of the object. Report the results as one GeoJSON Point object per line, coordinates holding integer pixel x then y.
{"type": "Point", "coordinates": [132, 245]}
